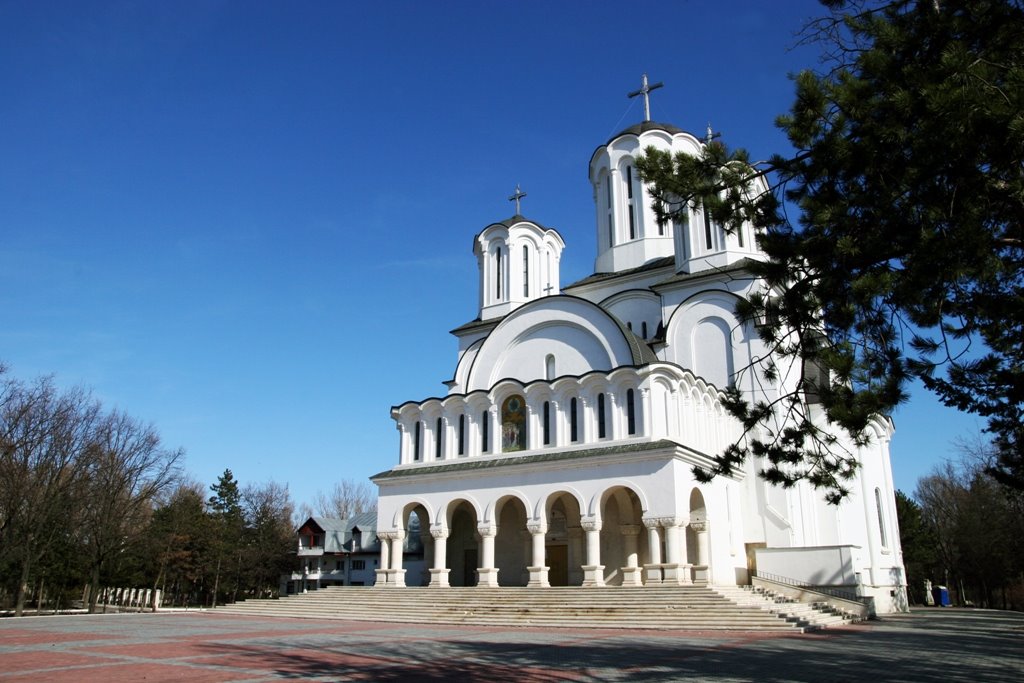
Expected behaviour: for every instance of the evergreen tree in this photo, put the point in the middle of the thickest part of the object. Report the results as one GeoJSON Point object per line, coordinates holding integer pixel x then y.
{"type": "Point", "coordinates": [906, 256]}
{"type": "Point", "coordinates": [229, 524]}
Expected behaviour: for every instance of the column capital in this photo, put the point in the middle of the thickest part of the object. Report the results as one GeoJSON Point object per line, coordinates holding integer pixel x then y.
{"type": "Point", "coordinates": [669, 522]}
{"type": "Point", "coordinates": [438, 531]}
{"type": "Point", "coordinates": [590, 523]}
{"type": "Point", "coordinates": [652, 522]}
{"type": "Point", "coordinates": [699, 526]}
{"type": "Point", "coordinates": [537, 527]}
{"type": "Point", "coordinates": [391, 535]}
{"type": "Point", "coordinates": [487, 529]}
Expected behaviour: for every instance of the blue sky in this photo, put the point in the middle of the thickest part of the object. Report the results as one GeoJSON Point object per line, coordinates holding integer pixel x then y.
{"type": "Point", "coordinates": [250, 223]}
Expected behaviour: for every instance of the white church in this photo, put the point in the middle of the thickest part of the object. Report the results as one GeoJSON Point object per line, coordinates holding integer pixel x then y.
{"type": "Point", "coordinates": [562, 452]}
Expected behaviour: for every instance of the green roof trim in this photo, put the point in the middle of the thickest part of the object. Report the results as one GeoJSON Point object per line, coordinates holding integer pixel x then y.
{"type": "Point", "coordinates": [654, 264]}
{"type": "Point", "coordinates": [486, 463]}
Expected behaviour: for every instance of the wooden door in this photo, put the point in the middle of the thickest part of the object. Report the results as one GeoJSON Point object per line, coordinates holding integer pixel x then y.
{"type": "Point", "coordinates": [470, 566]}
{"type": "Point", "coordinates": [558, 565]}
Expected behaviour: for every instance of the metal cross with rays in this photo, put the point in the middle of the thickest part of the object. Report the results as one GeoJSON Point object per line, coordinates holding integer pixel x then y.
{"type": "Point", "coordinates": [645, 90]}
{"type": "Point", "coordinates": [519, 194]}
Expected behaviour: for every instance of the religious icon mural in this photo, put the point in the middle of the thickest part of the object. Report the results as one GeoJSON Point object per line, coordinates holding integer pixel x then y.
{"type": "Point", "coordinates": [513, 424]}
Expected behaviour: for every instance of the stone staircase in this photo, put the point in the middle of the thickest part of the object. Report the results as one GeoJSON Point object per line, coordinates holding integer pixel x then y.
{"type": "Point", "coordinates": [814, 615]}
{"type": "Point", "coordinates": [695, 608]}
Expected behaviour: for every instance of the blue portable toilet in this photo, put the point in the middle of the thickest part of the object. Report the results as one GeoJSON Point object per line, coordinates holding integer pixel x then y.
{"type": "Point", "coordinates": [941, 596]}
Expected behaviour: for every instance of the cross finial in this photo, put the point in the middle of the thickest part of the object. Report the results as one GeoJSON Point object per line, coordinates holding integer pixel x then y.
{"type": "Point", "coordinates": [645, 90]}
{"type": "Point", "coordinates": [519, 194]}
{"type": "Point", "coordinates": [711, 135]}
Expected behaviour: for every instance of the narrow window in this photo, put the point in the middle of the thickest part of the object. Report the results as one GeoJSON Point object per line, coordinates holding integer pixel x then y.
{"type": "Point", "coordinates": [497, 290]}
{"type": "Point", "coordinates": [881, 518]}
{"type": "Point", "coordinates": [739, 237]}
{"type": "Point", "coordinates": [549, 367]}
{"type": "Point", "coordinates": [643, 327]}
{"type": "Point", "coordinates": [573, 425]}
{"type": "Point", "coordinates": [438, 437]}
{"type": "Point", "coordinates": [485, 436]}
{"type": "Point", "coordinates": [416, 442]}
{"type": "Point", "coordinates": [629, 195]}
{"type": "Point", "coordinates": [600, 416]}
{"type": "Point", "coordinates": [630, 412]}
{"type": "Point", "coordinates": [630, 326]}
{"type": "Point", "coordinates": [611, 225]}
{"type": "Point", "coordinates": [462, 434]}
{"type": "Point", "coordinates": [707, 229]}
{"type": "Point", "coordinates": [547, 423]}
{"type": "Point", "coordinates": [526, 271]}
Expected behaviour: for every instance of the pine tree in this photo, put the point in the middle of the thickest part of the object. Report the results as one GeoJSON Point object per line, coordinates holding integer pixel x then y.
{"type": "Point", "coordinates": [905, 257]}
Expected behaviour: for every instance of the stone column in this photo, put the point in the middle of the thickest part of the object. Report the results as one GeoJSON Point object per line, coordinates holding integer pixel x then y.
{"type": "Point", "coordinates": [494, 431]}
{"type": "Point", "coordinates": [676, 568]}
{"type": "Point", "coordinates": [382, 571]}
{"type": "Point", "coordinates": [702, 566]}
{"type": "Point", "coordinates": [652, 570]}
{"type": "Point", "coordinates": [631, 573]}
{"type": "Point", "coordinates": [538, 570]}
{"type": "Point", "coordinates": [397, 575]}
{"type": "Point", "coordinates": [487, 573]}
{"type": "Point", "coordinates": [439, 572]}
{"type": "Point", "coordinates": [593, 570]}
{"type": "Point", "coordinates": [614, 424]}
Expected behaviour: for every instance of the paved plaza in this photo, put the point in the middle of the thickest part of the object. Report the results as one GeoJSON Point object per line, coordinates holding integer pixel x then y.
{"type": "Point", "coordinates": [928, 645]}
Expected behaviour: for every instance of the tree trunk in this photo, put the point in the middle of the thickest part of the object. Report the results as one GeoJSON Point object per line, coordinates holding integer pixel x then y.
{"type": "Point", "coordinates": [19, 602]}
{"type": "Point", "coordinates": [216, 584]}
{"type": "Point", "coordinates": [94, 593]}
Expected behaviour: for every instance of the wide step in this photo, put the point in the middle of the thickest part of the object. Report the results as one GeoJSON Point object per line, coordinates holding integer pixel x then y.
{"type": "Point", "coordinates": [663, 607]}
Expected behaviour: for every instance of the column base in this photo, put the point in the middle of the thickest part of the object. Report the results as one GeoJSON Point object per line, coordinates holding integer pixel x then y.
{"type": "Point", "coordinates": [652, 574]}
{"type": "Point", "coordinates": [538, 577]}
{"type": "Point", "coordinates": [396, 578]}
{"type": "Point", "coordinates": [701, 573]}
{"type": "Point", "coordinates": [632, 576]}
{"type": "Point", "coordinates": [593, 575]}
{"type": "Point", "coordinates": [439, 578]}
{"type": "Point", "coordinates": [487, 578]}
{"type": "Point", "coordinates": [382, 578]}
{"type": "Point", "coordinates": [676, 574]}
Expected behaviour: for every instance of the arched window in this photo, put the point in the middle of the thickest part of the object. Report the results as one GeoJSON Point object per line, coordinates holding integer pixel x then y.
{"type": "Point", "coordinates": [611, 222]}
{"type": "Point", "coordinates": [630, 413]}
{"type": "Point", "coordinates": [513, 424]}
{"type": "Point", "coordinates": [601, 433]}
{"type": "Point", "coordinates": [438, 439]}
{"type": "Point", "coordinates": [498, 275]}
{"type": "Point", "coordinates": [643, 327]}
{"type": "Point", "coordinates": [549, 367]}
{"type": "Point", "coordinates": [629, 197]}
{"type": "Point", "coordinates": [707, 229]}
{"type": "Point", "coordinates": [416, 441]}
{"type": "Point", "coordinates": [881, 518]}
{"type": "Point", "coordinates": [462, 434]}
{"type": "Point", "coordinates": [547, 423]}
{"type": "Point", "coordinates": [629, 324]}
{"type": "Point", "coordinates": [574, 433]}
{"type": "Point", "coordinates": [526, 270]}
{"type": "Point", "coordinates": [485, 433]}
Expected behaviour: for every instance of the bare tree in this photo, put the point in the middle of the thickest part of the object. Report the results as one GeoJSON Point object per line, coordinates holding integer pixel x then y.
{"type": "Point", "coordinates": [43, 435]}
{"type": "Point", "coordinates": [348, 497]}
{"type": "Point", "coordinates": [270, 537]}
{"type": "Point", "coordinates": [128, 469]}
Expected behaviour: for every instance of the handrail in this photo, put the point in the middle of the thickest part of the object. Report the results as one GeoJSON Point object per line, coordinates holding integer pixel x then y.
{"type": "Point", "coordinates": [827, 590]}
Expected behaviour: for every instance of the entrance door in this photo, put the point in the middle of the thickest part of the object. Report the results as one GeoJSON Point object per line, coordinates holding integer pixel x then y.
{"type": "Point", "coordinates": [558, 565]}
{"type": "Point", "coordinates": [470, 566]}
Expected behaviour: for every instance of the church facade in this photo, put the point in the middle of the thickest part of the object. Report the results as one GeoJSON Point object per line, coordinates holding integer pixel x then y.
{"type": "Point", "coordinates": [562, 452]}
